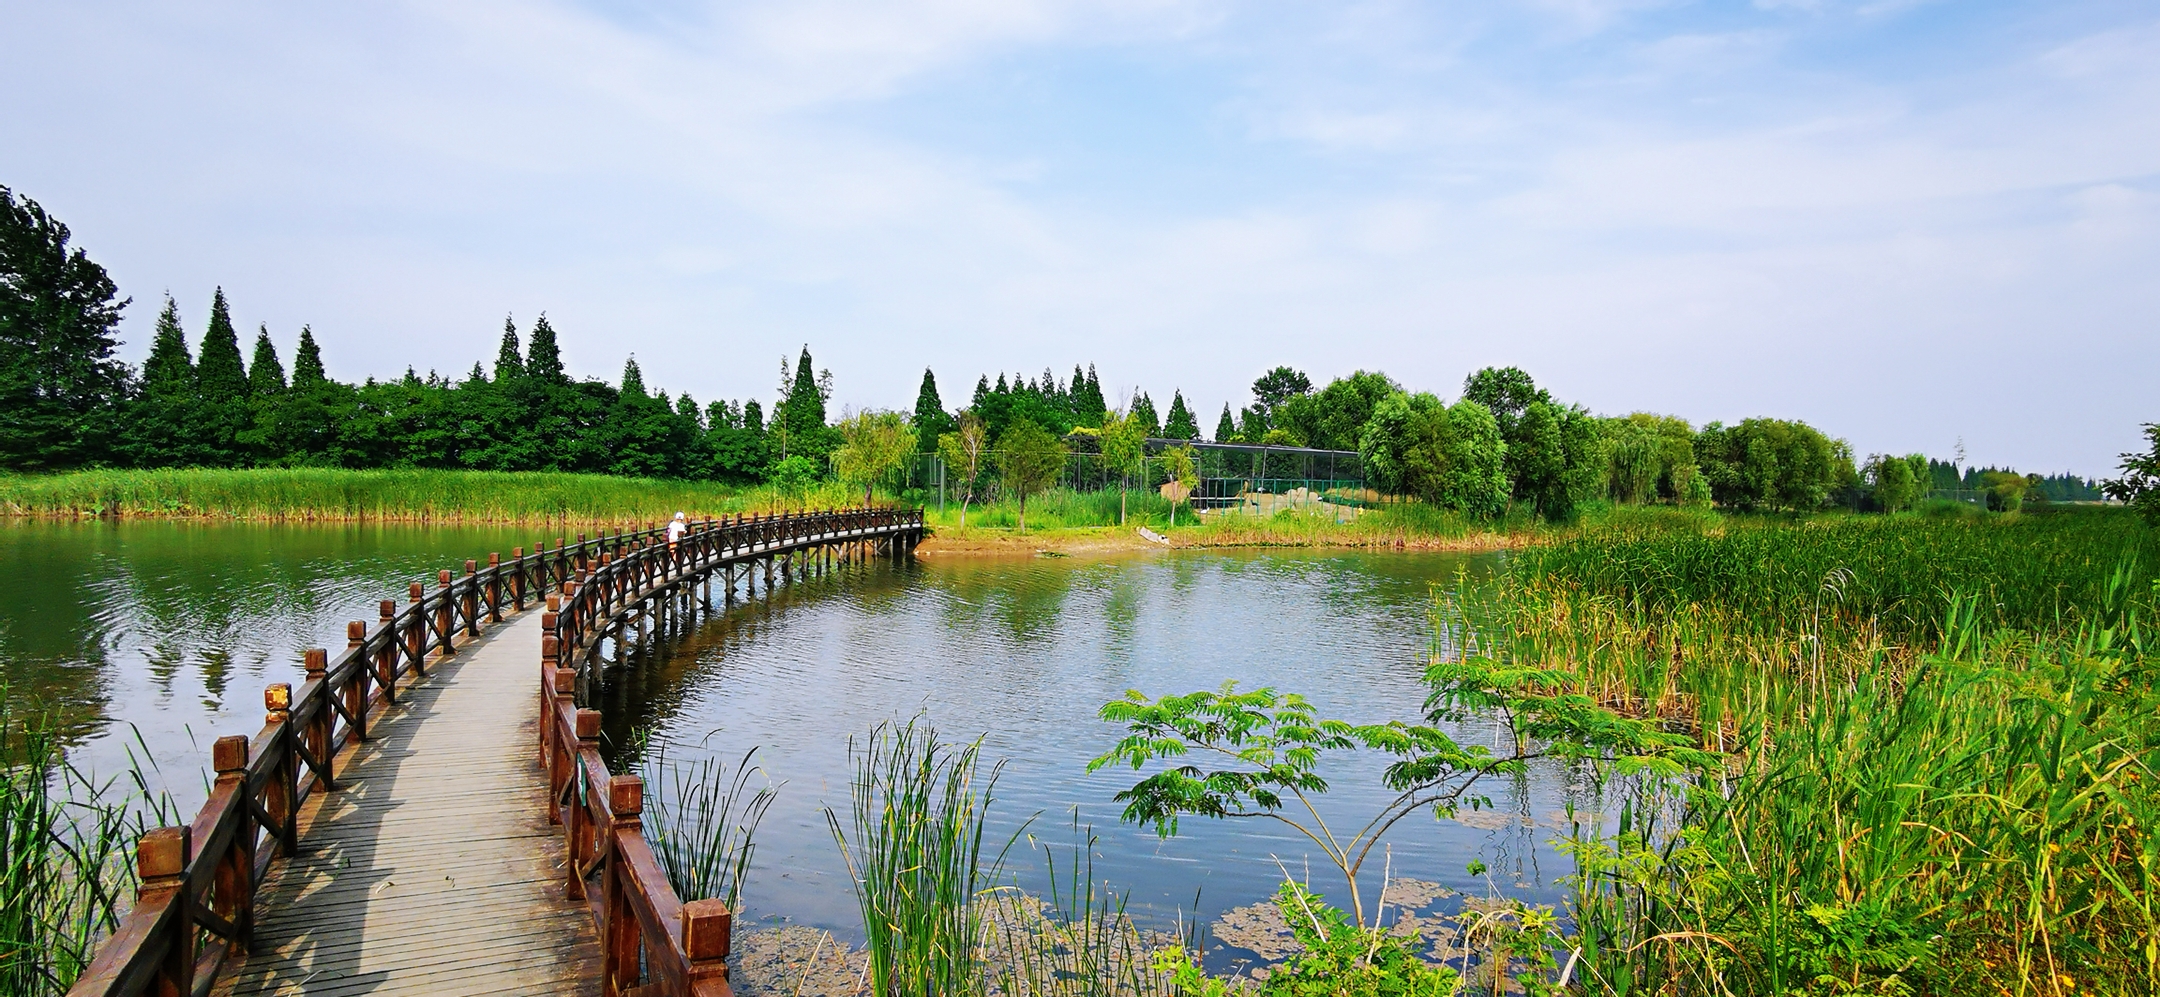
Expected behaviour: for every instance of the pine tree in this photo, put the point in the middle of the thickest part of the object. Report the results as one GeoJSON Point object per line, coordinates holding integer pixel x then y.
{"type": "Point", "coordinates": [1143, 409]}
{"type": "Point", "coordinates": [1088, 405]}
{"type": "Point", "coordinates": [221, 384]}
{"type": "Point", "coordinates": [805, 413]}
{"type": "Point", "coordinates": [1180, 425]}
{"type": "Point", "coordinates": [931, 421]}
{"type": "Point", "coordinates": [307, 368]}
{"type": "Point", "coordinates": [633, 379]}
{"type": "Point", "coordinates": [543, 359]}
{"type": "Point", "coordinates": [1225, 429]}
{"type": "Point", "coordinates": [266, 376]}
{"type": "Point", "coordinates": [169, 371]}
{"type": "Point", "coordinates": [509, 365]}
{"type": "Point", "coordinates": [220, 375]}
{"type": "Point", "coordinates": [982, 392]}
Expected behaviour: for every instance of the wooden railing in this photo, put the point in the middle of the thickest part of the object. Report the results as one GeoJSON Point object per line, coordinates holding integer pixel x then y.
{"type": "Point", "coordinates": [194, 909]}
{"type": "Point", "coordinates": [651, 941]}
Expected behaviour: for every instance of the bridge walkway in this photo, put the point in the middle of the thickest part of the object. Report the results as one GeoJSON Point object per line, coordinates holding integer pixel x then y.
{"type": "Point", "coordinates": [434, 869]}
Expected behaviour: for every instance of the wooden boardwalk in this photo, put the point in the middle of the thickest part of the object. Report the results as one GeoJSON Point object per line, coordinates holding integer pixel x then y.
{"type": "Point", "coordinates": [433, 870]}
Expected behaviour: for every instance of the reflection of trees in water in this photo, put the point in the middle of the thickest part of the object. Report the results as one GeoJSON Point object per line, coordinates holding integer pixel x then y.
{"type": "Point", "coordinates": [657, 680]}
{"type": "Point", "coordinates": [156, 601]}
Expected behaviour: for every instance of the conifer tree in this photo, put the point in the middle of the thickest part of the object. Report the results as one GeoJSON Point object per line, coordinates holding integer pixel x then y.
{"type": "Point", "coordinates": [509, 364]}
{"type": "Point", "coordinates": [1180, 425]}
{"type": "Point", "coordinates": [307, 368]}
{"type": "Point", "coordinates": [543, 359]}
{"type": "Point", "coordinates": [753, 417]}
{"type": "Point", "coordinates": [1143, 409]}
{"type": "Point", "coordinates": [1087, 405]}
{"type": "Point", "coordinates": [1225, 428]}
{"type": "Point", "coordinates": [805, 413]}
{"type": "Point", "coordinates": [266, 376]}
{"type": "Point", "coordinates": [169, 371]}
{"type": "Point", "coordinates": [633, 379]}
{"type": "Point", "coordinates": [221, 384]}
{"type": "Point", "coordinates": [931, 421]}
{"type": "Point", "coordinates": [982, 393]}
{"type": "Point", "coordinates": [220, 375]}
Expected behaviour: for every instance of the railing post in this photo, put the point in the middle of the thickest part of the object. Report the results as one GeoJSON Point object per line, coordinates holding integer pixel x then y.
{"type": "Point", "coordinates": [620, 942]}
{"type": "Point", "coordinates": [471, 602]}
{"type": "Point", "coordinates": [577, 824]}
{"type": "Point", "coordinates": [417, 639]}
{"type": "Point", "coordinates": [707, 934]}
{"type": "Point", "coordinates": [161, 858]}
{"type": "Point", "coordinates": [284, 779]}
{"type": "Point", "coordinates": [356, 689]}
{"type": "Point", "coordinates": [495, 588]}
{"type": "Point", "coordinates": [386, 663]}
{"type": "Point", "coordinates": [445, 616]}
{"type": "Point", "coordinates": [235, 886]}
{"type": "Point", "coordinates": [317, 732]}
{"type": "Point", "coordinates": [517, 577]}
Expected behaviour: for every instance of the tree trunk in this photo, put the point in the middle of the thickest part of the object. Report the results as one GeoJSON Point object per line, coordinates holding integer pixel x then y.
{"type": "Point", "coordinates": [1023, 515]}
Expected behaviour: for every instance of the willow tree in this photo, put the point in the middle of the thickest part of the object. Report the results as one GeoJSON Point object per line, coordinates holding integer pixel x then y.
{"type": "Point", "coordinates": [1029, 460]}
{"type": "Point", "coordinates": [873, 445]}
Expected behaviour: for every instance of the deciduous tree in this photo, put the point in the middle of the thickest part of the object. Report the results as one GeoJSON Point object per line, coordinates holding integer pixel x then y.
{"type": "Point", "coordinates": [873, 445]}
{"type": "Point", "coordinates": [1029, 460]}
{"type": "Point", "coordinates": [963, 451]}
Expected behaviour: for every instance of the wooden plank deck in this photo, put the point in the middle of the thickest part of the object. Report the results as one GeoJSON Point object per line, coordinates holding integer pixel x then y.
{"type": "Point", "coordinates": [434, 870]}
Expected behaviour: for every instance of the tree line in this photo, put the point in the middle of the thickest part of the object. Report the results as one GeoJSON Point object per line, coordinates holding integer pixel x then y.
{"type": "Point", "coordinates": [1503, 443]}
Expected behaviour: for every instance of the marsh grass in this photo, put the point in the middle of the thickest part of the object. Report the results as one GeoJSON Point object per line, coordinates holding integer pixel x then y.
{"type": "Point", "coordinates": [702, 819]}
{"type": "Point", "coordinates": [1940, 739]}
{"type": "Point", "coordinates": [1078, 941]}
{"type": "Point", "coordinates": [914, 847]}
{"type": "Point", "coordinates": [419, 495]}
{"type": "Point", "coordinates": [67, 841]}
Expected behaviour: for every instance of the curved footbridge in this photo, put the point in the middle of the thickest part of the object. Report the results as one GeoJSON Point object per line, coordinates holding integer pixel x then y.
{"type": "Point", "coordinates": [407, 822]}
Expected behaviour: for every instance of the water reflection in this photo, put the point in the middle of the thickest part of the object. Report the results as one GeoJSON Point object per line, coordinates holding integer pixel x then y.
{"type": "Point", "coordinates": [175, 627]}
{"type": "Point", "coordinates": [1024, 652]}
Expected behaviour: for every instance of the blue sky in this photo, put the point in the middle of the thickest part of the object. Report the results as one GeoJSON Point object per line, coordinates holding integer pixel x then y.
{"type": "Point", "coordinates": [1909, 223]}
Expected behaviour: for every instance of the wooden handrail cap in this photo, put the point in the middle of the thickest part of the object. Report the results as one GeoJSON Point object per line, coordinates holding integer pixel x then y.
{"type": "Point", "coordinates": [229, 754]}
{"type": "Point", "coordinates": [317, 661]}
{"type": "Point", "coordinates": [277, 697]}
{"type": "Point", "coordinates": [706, 929]}
{"type": "Point", "coordinates": [566, 684]}
{"type": "Point", "coordinates": [162, 852]}
{"type": "Point", "coordinates": [626, 795]}
{"type": "Point", "coordinates": [588, 723]}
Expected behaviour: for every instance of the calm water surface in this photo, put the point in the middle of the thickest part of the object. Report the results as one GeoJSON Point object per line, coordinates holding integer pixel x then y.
{"type": "Point", "coordinates": [1024, 652]}
{"type": "Point", "coordinates": [169, 631]}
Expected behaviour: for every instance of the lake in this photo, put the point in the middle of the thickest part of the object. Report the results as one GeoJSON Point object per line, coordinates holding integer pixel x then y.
{"type": "Point", "coordinates": [163, 634]}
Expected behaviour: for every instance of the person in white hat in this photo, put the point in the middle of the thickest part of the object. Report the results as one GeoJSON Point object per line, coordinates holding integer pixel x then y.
{"type": "Point", "coordinates": [675, 529]}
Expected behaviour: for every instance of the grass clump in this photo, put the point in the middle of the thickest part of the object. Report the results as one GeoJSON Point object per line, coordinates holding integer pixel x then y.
{"type": "Point", "coordinates": [702, 819]}
{"type": "Point", "coordinates": [918, 823]}
{"type": "Point", "coordinates": [67, 844]}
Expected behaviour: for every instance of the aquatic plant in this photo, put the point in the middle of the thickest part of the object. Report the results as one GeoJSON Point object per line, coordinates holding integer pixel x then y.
{"type": "Point", "coordinates": [918, 818]}
{"type": "Point", "coordinates": [66, 854]}
{"type": "Point", "coordinates": [702, 818]}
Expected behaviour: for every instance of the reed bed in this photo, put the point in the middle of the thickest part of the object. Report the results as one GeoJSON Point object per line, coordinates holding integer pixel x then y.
{"type": "Point", "coordinates": [67, 844]}
{"type": "Point", "coordinates": [429, 496]}
{"type": "Point", "coordinates": [1940, 739]}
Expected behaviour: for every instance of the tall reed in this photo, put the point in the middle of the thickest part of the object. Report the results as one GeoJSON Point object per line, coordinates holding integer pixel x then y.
{"type": "Point", "coordinates": [916, 855]}
{"type": "Point", "coordinates": [412, 495]}
{"type": "Point", "coordinates": [1967, 804]}
{"type": "Point", "coordinates": [1078, 941]}
{"type": "Point", "coordinates": [702, 819]}
{"type": "Point", "coordinates": [66, 850]}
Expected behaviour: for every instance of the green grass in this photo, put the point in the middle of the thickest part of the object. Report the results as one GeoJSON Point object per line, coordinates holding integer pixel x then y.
{"type": "Point", "coordinates": [1941, 733]}
{"type": "Point", "coordinates": [399, 496]}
